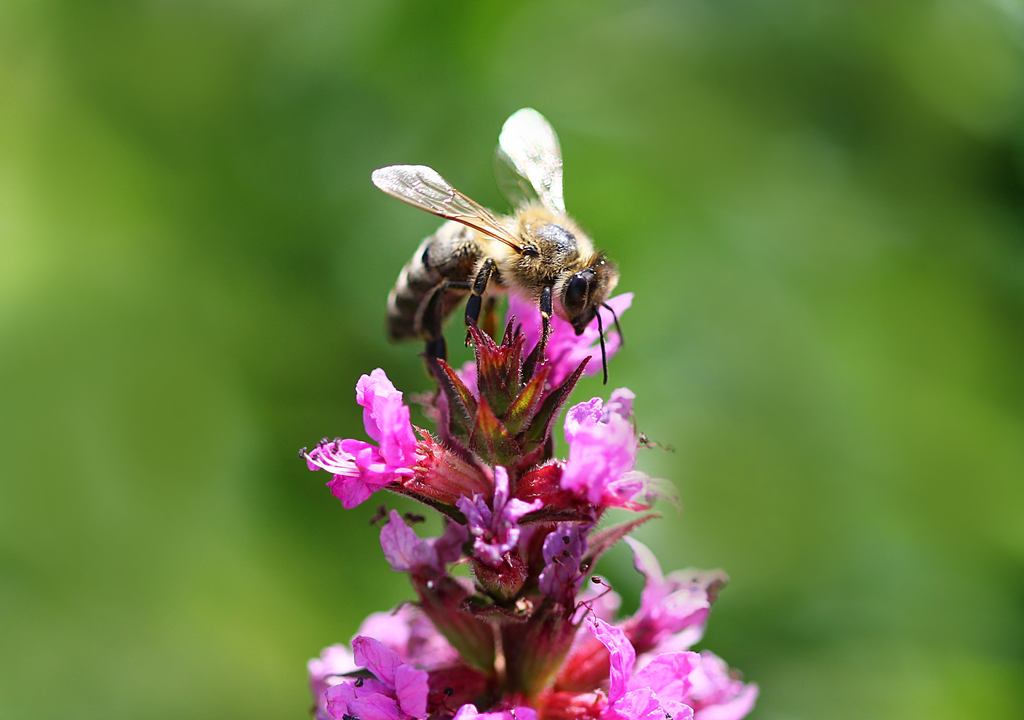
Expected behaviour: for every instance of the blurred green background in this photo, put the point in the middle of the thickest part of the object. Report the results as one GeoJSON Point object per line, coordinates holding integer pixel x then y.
{"type": "Point", "coordinates": [820, 206]}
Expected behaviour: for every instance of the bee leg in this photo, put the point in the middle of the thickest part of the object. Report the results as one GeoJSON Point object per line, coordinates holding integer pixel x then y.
{"type": "Point", "coordinates": [546, 310]}
{"type": "Point", "coordinates": [475, 302]}
{"type": "Point", "coordinates": [431, 318]}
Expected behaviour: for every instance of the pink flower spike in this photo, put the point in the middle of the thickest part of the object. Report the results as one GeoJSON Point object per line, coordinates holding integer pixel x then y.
{"type": "Point", "coordinates": [565, 349]}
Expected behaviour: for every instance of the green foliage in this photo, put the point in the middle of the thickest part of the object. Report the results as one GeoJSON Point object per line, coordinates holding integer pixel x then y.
{"type": "Point", "coordinates": [818, 204]}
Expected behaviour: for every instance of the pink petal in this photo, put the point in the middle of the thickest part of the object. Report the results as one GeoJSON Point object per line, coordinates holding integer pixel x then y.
{"type": "Point", "coordinates": [717, 693]}
{"type": "Point", "coordinates": [337, 699]}
{"type": "Point", "coordinates": [377, 658]}
{"type": "Point", "coordinates": [469, 712]}
{"type": "Point", "coordinates": [639, 704]}
{"type": "Point", "coordinates": [668, 675]}
{"type": "Point", "coordinates": [584, 413]}
{"type": "Point", "coordinates": [448, 547]}
{"type": "Point", "coordinates": [390, 628]}
{"type": "Point", "coordinates": [386, 418]}
{"type": "Point", "coordinates": [411, 689]}
{"type": "Point", "coordinates": [735, 709]}
{"type": "Point", "coordinates": [602, 450]}
{"type": "Point", "coordinates": [333, 661]}
{"type": "Point", "coordinates": [646, 563]}
{"type": "Point", "coordinates": [622, 657]}
{"type": "Point", "coordinates": [621, 402]}
{"type": "Point", "coordinates": [403, 548]}
{"type": "Point", "coordinates": [374, 707]}
{"type": "Point", "coordinates": [352, 491]}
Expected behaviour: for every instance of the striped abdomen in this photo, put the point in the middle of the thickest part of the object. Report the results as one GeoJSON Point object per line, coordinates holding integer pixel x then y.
{"type": "Point", "coordinates": [452, 253]}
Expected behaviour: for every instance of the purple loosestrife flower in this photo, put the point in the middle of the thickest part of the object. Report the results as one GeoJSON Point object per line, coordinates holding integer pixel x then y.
{"type": "Point", "coordinates": [329, 669]}
{"type": "Point", "coordinates": [658, 691]}
{"type": "Point", "coordinates": [563, 553]}
{"type": "Point", "coordinates": [525, 637]}
{"type": "Point", "coordinates": [394, 690]}
{"type": "Point", "coordinates": [496, 528]}
{"type": "Point", "coordinates": [602, 451]}
{"type": "Point", "coordinates": [716, 693]}
{"type": "Point", "coordinates": [359, 468]}
{"type": "Point", "coordinates": [405, 551]}
{"type": "Point", "coordinates": [673, 609]}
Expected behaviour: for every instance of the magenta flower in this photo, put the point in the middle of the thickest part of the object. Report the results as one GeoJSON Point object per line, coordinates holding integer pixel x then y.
{"type": "Point", "coordinates": [563, 552]}
{"type": "Point", "coordinates": [654, 693]}
{"type": "Point", "coordinates": [673, 609]}
{"type": "Point", "coordinates": [394, 691]}
{"type": "Point", "coordinates": [497, 628]}
{"type": "Point", "coordinates": [496, 528]}
{"type": "Point", "coordinates": [406, 631]}
{"type": "Point", "coordinates": [602, 451]}
{"type": "Point", "coordinates": [386, 418]}
{"type": "Point", "coordinates": [327, 670]}
{"type": "Point", "coordinates": [405, 551]}
{"type": "Point", "coordinates": [716, 693]}
{"type": "Point", "coordinates": [359, 469]}
{"type": "Point", "coordinates": [565, 349]}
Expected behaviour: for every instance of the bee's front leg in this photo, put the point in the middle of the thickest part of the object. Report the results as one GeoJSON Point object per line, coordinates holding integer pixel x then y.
{"type": "Point", "coordinates": [546, 310]}
{"type": "Point", "coordinates": [479, 287]}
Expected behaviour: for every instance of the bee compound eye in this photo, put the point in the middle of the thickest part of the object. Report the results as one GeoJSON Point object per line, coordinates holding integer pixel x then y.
{"type": "Point", "coordinates": [576, 291]}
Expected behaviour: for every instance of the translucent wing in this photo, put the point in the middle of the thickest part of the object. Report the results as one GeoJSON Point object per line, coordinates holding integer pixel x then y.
{"type": "Point", "coordinates": [423, 187]}
{"type": "Point", "coordinates": [529, 146]}
{"type": "Point", "coordinates": [513, 186]}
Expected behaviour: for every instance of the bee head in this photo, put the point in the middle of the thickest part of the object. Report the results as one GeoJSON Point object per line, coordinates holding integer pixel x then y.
{"type": "Point", "coordinates": [585, 291]}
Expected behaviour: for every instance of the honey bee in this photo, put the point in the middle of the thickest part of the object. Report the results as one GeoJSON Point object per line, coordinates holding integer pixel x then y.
{"type": "Point", "coordinates": [538, 252]}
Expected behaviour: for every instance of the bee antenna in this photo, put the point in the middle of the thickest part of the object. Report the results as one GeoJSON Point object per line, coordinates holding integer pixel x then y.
{"type": "Point", "coordinates": [604, 354]}
{"type": "Point", "coordinates": [618, 328]}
